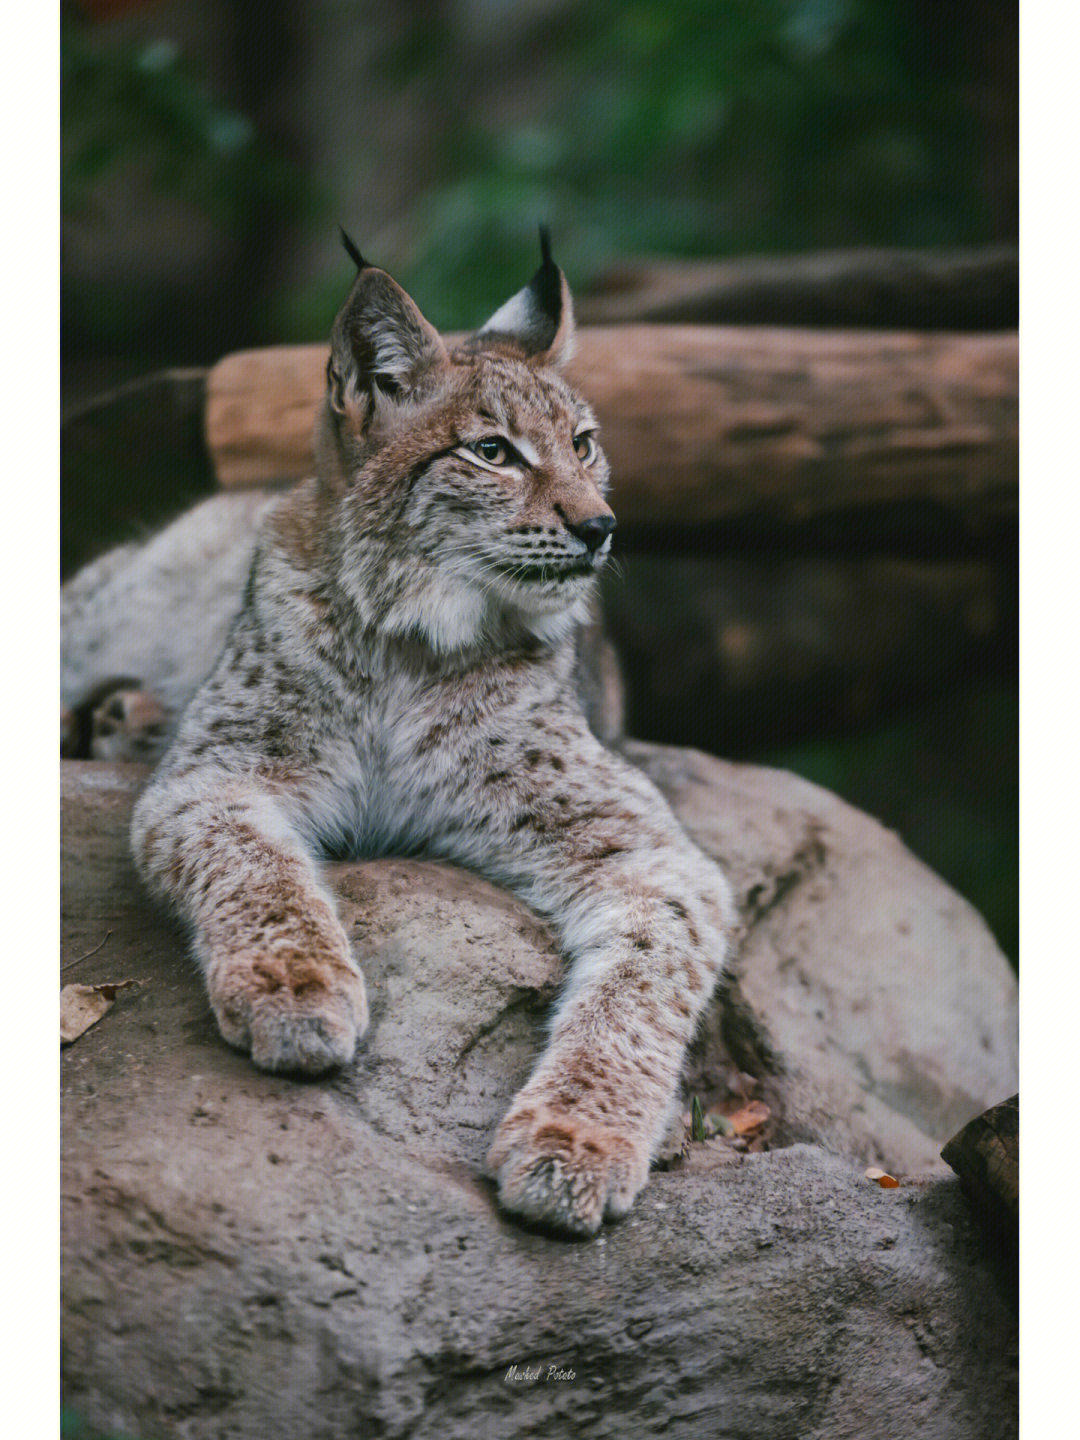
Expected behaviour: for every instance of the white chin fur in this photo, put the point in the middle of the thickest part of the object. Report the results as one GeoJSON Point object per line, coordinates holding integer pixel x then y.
{"type": "Point", "coordinates": [557, 625]}
{"type": "Point", "coordinates": [551, 611]}
{"type": "Point", "coordinates": [550, 597]}
{"type": "Point", "coordinates": [453, 613]}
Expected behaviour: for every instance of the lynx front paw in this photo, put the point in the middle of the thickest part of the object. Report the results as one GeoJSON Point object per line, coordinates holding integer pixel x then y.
{"type": "Point", "coordinates": [564, 1172]}
{"type": "Point", "coordinates": [302, 1017]}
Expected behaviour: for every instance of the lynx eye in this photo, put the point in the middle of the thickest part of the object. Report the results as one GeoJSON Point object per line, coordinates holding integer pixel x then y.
{"type": "Point", "coordinates": [585, 447]}
{"type": "Point", "coordinates": [492, 450]}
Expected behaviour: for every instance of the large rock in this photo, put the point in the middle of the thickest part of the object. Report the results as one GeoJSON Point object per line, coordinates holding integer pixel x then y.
{"type": "Point", "coordinates": [878, 992]}
{"type": "Point", "coordinates": [247, 1255]}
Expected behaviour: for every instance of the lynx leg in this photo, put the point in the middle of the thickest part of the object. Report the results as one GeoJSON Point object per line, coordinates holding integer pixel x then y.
{"type": "Point", "coordinates": [576, 1145]}
{"type": "Point", "coordinates": [644, 918]}
{"type": "Point", "coordinates": [280, 975]}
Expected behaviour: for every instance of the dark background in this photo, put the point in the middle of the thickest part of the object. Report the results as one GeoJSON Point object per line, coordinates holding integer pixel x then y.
{"type": "Point", "coordinates": [210, 150]}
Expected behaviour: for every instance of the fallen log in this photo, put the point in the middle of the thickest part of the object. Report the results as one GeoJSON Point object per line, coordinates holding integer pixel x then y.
{"type": "Point", "coordinates": [986, 1156]}
{"type": "Point", "coordinates": [735, 652]}
{"type": "Point", "coordinates": [976, 289]}
{"type": "Point", "coordinates": [707, 425]}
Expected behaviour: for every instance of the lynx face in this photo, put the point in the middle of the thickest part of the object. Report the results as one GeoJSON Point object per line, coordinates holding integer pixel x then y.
{"type": "Point", "coordinates": [477, 470]}
{"type": "Point", "coordinates": [516, 506]}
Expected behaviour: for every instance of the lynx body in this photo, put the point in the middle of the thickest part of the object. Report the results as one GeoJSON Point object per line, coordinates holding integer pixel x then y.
{"type": "Point", "coordinates": [399, 677]}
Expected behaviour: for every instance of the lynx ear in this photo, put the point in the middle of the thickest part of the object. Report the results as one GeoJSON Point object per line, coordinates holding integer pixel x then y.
{"type": "Point", "coordinates": [380, 344]}
{"type": "Point", "coordinates": [538, 319]}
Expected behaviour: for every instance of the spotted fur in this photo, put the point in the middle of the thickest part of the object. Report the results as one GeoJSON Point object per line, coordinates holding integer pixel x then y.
{"type": "Point", "coordinates": [399, 678]}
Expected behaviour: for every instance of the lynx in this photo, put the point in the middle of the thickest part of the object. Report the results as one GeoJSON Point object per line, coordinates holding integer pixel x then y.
{"type": "Point", "coordinates": [400, 678]}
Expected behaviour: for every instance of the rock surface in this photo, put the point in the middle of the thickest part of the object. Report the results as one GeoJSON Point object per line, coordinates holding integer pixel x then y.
{"type": "Point", "coordinates": [246, 1255]}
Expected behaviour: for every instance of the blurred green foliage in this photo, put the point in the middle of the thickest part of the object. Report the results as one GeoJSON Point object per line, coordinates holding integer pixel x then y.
{"type": "Point", "coordinates": [141, 101]}
{"type": "Point", "coordinates": [140, 106]}
{"type": "Point", "coordinates": [751, 126]}
{"type": "Point", "coordinates": [704, 128]}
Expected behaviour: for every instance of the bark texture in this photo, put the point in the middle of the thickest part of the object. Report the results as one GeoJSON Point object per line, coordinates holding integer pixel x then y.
{"type": "Point", "coordinates": [975, 289]}
{"type": "Point", "coordinates": [986, 1156]}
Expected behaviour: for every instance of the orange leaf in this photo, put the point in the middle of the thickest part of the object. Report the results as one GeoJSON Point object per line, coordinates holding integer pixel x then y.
{"type": "Point", "coordinates": [751, 1117]}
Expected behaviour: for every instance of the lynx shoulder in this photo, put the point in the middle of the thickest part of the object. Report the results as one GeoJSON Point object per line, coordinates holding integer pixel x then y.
{"type": "Point", "coordinates": [398, 674]}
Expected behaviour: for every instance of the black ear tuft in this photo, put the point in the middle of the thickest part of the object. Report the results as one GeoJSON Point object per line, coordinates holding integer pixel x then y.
{"type": "Point", "coordinates": [547, 282]}
{"type": "Point", "coordinates": [539, 319]}
{"type": "Point", "coordinates": [353, 250]}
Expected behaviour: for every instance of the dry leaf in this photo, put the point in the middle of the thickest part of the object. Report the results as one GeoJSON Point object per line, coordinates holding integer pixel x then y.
{"type": "Point", "coordinates": [83, 1005]}
{"type": "Point", "coordinates": [882, 1178]}
{"type": "Point", "coordinates": [751, 1117]}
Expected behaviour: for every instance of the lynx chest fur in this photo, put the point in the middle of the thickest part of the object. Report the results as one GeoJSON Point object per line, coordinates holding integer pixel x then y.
{"type": "Point", "coordinates": [401, 676]}
{"type": "Point", "coordinates": [390, 752]}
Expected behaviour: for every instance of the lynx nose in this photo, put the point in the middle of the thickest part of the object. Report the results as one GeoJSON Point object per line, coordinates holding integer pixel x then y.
{"type": "Point", "coordinates": [593, 531]}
